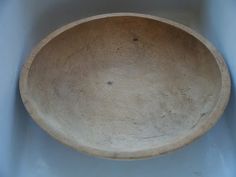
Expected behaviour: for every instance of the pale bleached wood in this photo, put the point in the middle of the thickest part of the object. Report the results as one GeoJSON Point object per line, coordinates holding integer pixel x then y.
{"type": "Point", "coordinates": [125, 85]}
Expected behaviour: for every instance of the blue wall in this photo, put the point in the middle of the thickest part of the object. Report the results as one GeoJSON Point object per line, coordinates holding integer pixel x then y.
{"type": "Point", "coordinates": [219, 19]}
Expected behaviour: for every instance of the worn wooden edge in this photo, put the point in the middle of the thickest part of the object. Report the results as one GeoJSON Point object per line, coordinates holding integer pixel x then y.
{"type": "Point", "coordinates": [141, 154]}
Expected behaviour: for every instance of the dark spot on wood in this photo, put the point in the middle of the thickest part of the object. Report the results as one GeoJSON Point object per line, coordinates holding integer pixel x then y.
{"type": "Point", "coordinates": [162, 116]}
{"type": "Point", "coordinates": [135, 39]}
{"type": "Point", "coordinates": [203, 114]}
{"type": "Point", "coordinates": [109, 82]}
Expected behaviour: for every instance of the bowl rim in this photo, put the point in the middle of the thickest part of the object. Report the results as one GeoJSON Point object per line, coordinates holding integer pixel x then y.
{"type": "Point", "coordinates": [213, 117]}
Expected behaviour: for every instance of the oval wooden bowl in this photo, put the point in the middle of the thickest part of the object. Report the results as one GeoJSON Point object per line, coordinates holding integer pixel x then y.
{"type": "Point", "coordinates": [125, 85]}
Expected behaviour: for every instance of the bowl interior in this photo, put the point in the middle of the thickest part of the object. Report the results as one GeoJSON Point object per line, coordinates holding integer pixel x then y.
{"type": "Point", "coordinates": [124, 84]}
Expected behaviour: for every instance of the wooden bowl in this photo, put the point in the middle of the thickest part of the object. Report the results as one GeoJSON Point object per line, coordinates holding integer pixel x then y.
{"type": "Point", "coordinates": [125, 85]}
